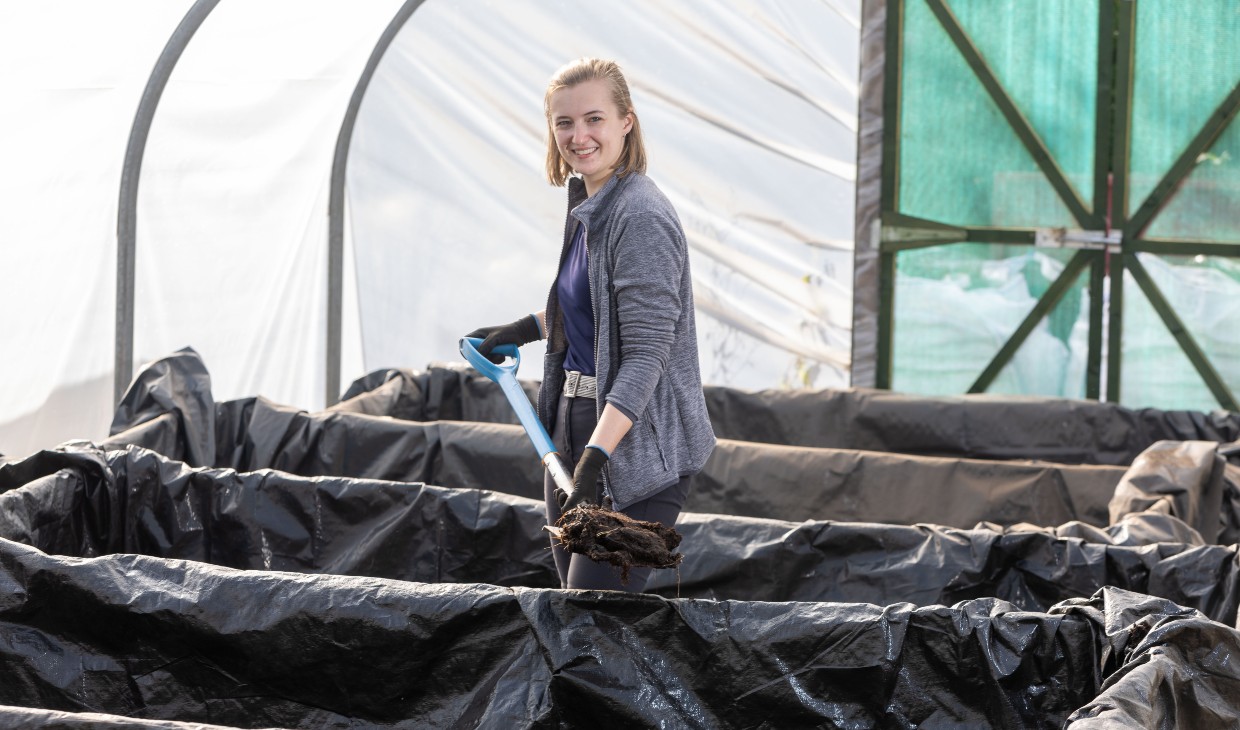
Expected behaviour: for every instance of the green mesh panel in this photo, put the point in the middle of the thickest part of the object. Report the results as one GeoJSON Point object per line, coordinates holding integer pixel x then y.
{"type": "Point", "coordinates": [957, 305]}
{"type": "Point", "coordinates": [1205, 294]}
{"type": "Point", "coordinates": [1053, 361]}
{"type": "Point", "coordinates": [1187, 61]}
{"type": "Point", "coordinates": [1046, 56]}
{"type": "Point", "coordinates": [1205, 206]}
{"type": "Point", "coordinates": [960, 161]}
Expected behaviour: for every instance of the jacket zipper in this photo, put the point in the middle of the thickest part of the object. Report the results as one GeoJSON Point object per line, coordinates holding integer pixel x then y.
{"type": "Point", "coordinates": [598, 411]}
{"type": "Point", "coordinates": [544, 415]}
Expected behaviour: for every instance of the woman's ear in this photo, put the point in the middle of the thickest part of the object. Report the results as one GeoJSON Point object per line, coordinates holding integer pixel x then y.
{"type": "Point", "coordinates": [628, 122]}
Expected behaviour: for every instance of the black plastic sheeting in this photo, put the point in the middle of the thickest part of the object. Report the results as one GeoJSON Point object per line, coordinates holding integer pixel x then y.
{"type": "Point", "coordinates": [169, 409]}
{"type": "Point", "coordinates": [972, 426]}
{"type": "Point", "coordinates": [83, 502]}
{"type": "Point", "coordinates": [384, 601]}
{"type": "Point", "coordinates": [153, 639]}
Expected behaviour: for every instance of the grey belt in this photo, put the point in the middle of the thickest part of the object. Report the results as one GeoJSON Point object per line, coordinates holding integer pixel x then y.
{"type": "Point", "coordinates": [577, 385]}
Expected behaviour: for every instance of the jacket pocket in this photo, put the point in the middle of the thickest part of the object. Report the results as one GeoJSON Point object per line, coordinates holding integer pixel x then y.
{"type": "Point", "coordinates": [658, 444]}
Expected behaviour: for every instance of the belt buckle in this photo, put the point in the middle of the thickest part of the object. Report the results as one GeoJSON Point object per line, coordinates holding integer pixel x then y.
{"type": "Point", "coordinates": [570, 385]}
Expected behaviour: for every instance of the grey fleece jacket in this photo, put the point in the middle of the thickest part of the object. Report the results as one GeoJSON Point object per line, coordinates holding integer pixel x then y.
{"type": "Point", "coordinates": [646, 357]}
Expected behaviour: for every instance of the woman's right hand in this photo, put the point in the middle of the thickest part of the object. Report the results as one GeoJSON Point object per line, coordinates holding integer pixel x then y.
{"type": "Point", "coordinates": [521, 332]}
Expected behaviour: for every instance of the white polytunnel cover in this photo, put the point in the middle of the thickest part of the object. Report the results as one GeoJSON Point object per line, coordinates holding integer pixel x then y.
{"type": "Point", "coordinates": [69, 92]}
{"type": "Point", "coordinates": [232, 214]}
{"type": "Point", "coordinates": [749, 112]}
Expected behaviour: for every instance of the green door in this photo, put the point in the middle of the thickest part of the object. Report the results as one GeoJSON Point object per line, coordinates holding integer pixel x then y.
{"type": "Point", "coordinates": [1061, 200]}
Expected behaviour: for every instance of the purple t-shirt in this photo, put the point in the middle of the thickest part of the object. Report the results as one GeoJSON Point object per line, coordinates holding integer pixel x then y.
{"type": "Point", "coordinates": [573, 287]}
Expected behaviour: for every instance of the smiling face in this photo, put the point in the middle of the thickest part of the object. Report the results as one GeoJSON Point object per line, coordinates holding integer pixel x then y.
{"type": "Point", "coordinates": [589, 130]}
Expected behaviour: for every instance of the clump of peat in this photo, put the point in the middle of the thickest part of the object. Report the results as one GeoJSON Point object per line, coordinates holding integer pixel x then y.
{"type": "Point", "coordinates": [607, 536]}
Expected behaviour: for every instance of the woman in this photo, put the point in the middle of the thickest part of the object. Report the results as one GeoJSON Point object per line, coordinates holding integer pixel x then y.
{"type": "Point", "coordinates": [622, 390]}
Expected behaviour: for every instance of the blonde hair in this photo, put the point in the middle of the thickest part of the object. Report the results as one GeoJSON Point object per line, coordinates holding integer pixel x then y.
{"type": "Point", "coordinates": [633, 157]}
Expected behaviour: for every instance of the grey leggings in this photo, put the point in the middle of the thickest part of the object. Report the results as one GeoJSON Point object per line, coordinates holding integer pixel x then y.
{"type": "Point", "coordinates": [574, 423]}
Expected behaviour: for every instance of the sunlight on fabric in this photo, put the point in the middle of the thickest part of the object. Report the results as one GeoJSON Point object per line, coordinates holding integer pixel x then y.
{"type": "Point", "coordinates": [73, 74]}
{"type": "Point", "coordinates": [749, 113]}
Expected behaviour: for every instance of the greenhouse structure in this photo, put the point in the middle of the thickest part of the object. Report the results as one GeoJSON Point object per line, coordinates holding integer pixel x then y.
{"type": "Point", "coordinates": [966, 279]}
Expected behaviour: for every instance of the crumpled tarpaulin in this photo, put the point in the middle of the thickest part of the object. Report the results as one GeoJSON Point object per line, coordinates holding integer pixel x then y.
{"type": "Point", "coordinates": [93, 503]}
{"type": "Point", "coordinates": [979, 426]}
{"type": "Point", "coordinates": [970, 426]}
{"type": "Point", "coordinates": [157, 639]}
{"type": "Point", "coordinates": [121, 601]}
{"type": "Point", "coordinates": [1188, 481]}
{"type": "Point", "coordinates": [741, 478]}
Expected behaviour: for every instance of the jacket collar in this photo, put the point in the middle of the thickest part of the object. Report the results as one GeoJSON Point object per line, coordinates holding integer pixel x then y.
{"type": "Point", "coordinates": [585, 207]}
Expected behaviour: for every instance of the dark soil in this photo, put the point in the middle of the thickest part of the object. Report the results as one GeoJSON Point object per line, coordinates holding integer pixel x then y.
{"type": "Point", "coordinates": [607, 536]}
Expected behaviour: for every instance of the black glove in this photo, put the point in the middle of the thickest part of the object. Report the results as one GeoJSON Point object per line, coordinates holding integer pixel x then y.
{"type": "Point", "coordinates": [523, 331]}
{"type": "Point", "coordinates": [585, 480]}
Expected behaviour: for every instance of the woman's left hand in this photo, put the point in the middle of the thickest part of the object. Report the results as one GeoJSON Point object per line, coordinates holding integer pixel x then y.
{"type": "Point", "coordinates": [585, 479]}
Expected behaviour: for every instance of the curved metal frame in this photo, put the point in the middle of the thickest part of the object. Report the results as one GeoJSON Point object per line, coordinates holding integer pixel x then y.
{"type": "Point", "coordinates": [335, 204]}
{"type": "Point", "coordinates": [127, 210]}
{"type": "Point", "coordinates": [126, 225]}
